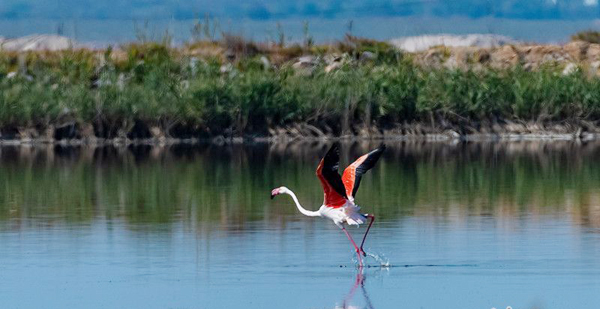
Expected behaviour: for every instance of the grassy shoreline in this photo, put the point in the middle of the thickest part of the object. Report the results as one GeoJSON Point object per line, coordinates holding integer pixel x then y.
{"type": "Point", "coordinates": [239, 89]}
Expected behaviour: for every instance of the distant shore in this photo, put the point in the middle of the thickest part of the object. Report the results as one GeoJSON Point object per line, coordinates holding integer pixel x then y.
{"type": "Point", "coordinates": [237, 90]}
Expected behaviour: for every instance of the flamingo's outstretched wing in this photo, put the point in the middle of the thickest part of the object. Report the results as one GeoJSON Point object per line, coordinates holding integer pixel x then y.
{"type": "Point", "coordinates": [354, 172]}
{"type": "Point", "coordinates": [327, 171]}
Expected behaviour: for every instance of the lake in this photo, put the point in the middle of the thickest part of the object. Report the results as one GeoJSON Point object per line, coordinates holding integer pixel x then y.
{"type": "Point", "coordinates": [102, 32]}
{"type": "Point", "coordinates": [459, 225]}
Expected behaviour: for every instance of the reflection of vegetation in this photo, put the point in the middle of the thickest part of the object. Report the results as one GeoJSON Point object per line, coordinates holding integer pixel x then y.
{"type": "Point", "coordinates": [231, 185]}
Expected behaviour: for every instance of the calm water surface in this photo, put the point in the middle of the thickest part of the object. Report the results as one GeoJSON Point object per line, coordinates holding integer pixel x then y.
{"type": "Point", "coordinates": [462, 226]}
{"type": "Point", "coordinates": [101, 32]}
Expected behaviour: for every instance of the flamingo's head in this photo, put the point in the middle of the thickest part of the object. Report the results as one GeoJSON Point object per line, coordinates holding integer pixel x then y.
{"type": "Point", "coordinates": [277, 191]}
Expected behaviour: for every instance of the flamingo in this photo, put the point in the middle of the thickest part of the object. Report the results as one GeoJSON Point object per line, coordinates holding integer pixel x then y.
{"type": "Point", "coordinates": [338, 204]}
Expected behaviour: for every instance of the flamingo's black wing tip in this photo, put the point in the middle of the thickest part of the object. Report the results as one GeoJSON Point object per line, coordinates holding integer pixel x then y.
{"type": "Point", "coordinates": [335, 147]}
{"type": "Point", "coordinates": [333, 153]}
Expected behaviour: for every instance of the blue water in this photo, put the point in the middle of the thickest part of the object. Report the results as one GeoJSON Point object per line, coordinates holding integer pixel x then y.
{"type": "Point", "coordinates": [106, 31]}
{"type": "Point", "coordinates": [435, 262]}
{"type": "Point", "coordinates": [455, 256]}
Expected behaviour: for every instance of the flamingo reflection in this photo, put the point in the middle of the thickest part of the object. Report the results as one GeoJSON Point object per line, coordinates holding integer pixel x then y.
{"type": "Point", "coordinates": [359, 282]}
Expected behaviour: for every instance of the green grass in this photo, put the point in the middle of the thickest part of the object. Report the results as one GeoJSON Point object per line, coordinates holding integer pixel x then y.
{"type": "Point", "coordinates": [169, 89]}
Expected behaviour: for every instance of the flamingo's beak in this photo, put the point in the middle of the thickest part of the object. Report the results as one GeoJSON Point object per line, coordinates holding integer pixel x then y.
{"type": "Point", "coordinates": [274, 192]}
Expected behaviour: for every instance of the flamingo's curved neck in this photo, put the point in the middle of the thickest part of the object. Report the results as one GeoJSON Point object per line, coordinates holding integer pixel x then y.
{"type": "Point", "coordinates": [300, 208]}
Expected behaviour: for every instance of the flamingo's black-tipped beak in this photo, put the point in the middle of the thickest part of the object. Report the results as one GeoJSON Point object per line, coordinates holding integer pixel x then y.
{"type": "Point", "coordinates": [272, 196]}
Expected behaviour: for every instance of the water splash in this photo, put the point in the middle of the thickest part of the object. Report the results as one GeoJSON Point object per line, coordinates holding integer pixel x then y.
{"type": "Point", "coordinates": [379, 258]}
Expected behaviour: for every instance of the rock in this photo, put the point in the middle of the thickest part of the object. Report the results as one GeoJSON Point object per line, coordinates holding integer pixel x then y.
{"type": "Point", "coordinates": [305, 65]}
{"type": "Point", "coordinates": [452, 134]}
{"type": "Point", "coordinates": [528, 67]}
{"type": "Point", "coordinates": [540, 54]}
{"type": "Point", "coordinates": [336, 61]}
{"type": "Point", "coordinates": [307, 60]}
{"type": "Point", "coordinates": [570, 68]}
{"type": "Point", "coordinates": [462, 57]}
{"type": "Point", "coordinates": [48, 134]}
{"type": "Point", "coordinates": [504, 57]}
{"type": "Point", "coordinates": [66, 131]}
{"type": "Point", "coordinates": [157, 133]}
{"type": "Point", "coordinates": [265, 62]}
{"type": "Point", "coordinates": [331, 58]}
{"type": "Point", "coordinates": [367, 56]}
{"type": "Point", "coordinates": [593, 52]}
{"type": "Point", "coordinates": [452, 63]}
{"type": "Point", "coordinates": [333, 66]}
{"type": "Point", "coordinates": [12, 75]}
{"type": "Point", "coordinates": [87, 132]}
{"type": "Point", "coordinates": [593, 70]}
{"type": "Point", "coordinates": [577, 50]}
{"type": "Point", "coordinates": [229, 55]}
{"type": "Point", "coordinates": [38, 42]}
{"type": "Point", "coordinates": [118, 55]}
{"type": "Point", "coordinates": [226, 68]}
{"type": "Point", "coordinates": [435, 57]}
{"type": "Point", "coordinates": [481, 56]}
{"type": "Point", "coordinates": [424, 42]}
{"type": "Point", "coordinates": [28, 134]}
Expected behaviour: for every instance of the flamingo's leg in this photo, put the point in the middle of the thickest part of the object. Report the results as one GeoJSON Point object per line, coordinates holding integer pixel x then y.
{"type": "Point", "coordinates": [360, 263]}
{"type": "Point", "coordinates": [367, 232]}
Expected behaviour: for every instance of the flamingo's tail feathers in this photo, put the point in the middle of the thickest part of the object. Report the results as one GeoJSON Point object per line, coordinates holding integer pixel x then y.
{"type": "Point", "coordinates": [353, 217]}
{"type": "Point", "coordinates": [355, 221]}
